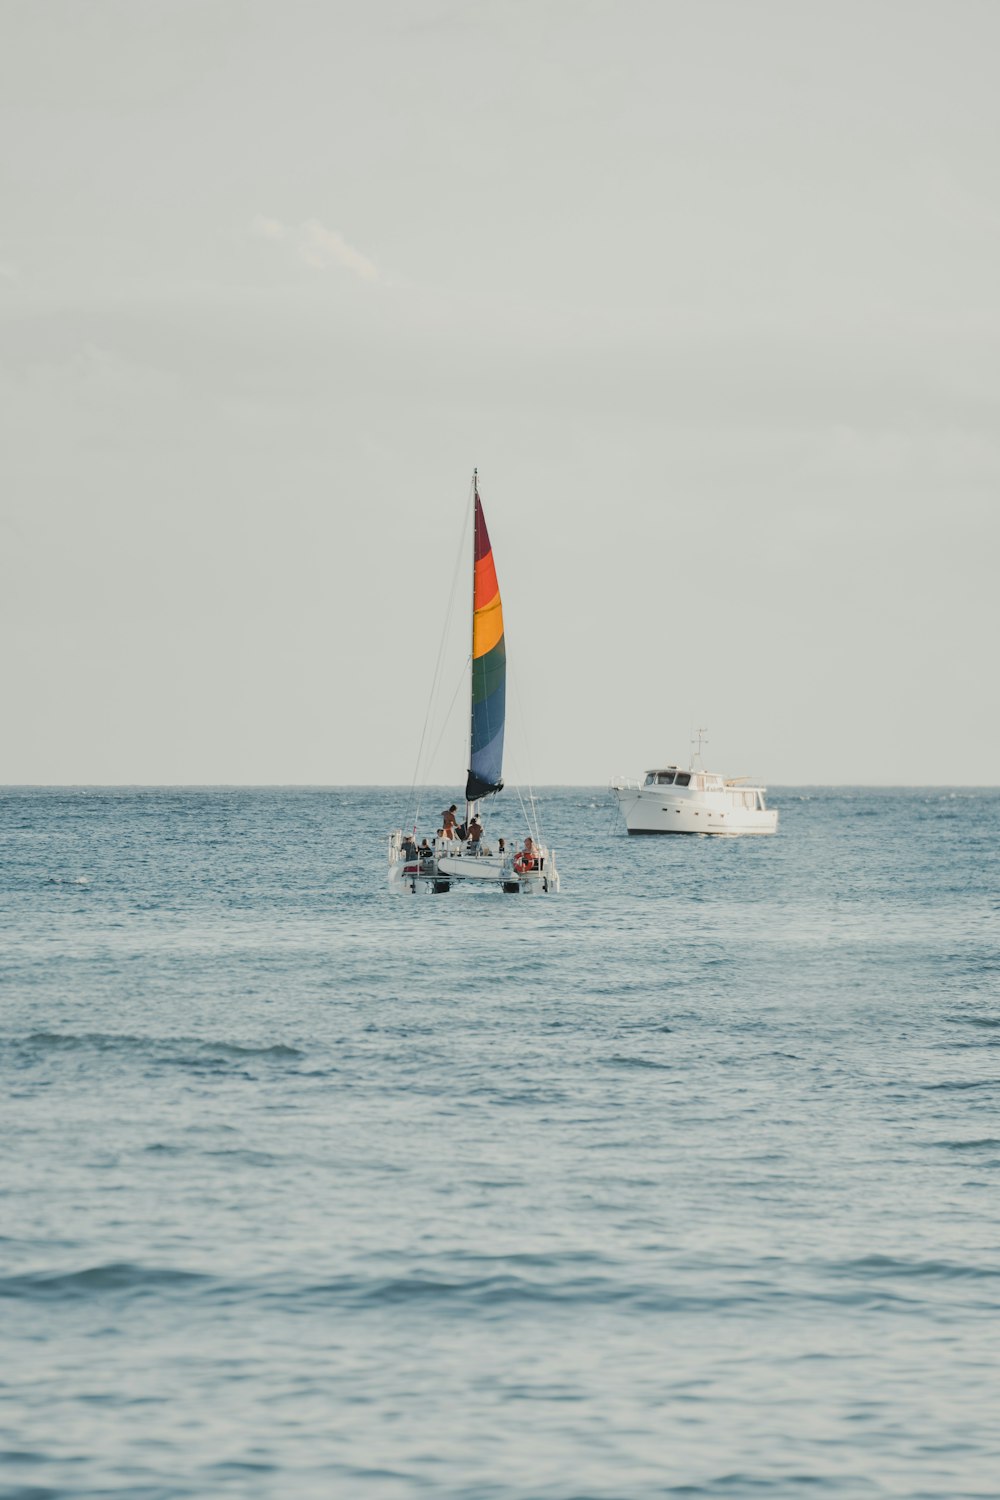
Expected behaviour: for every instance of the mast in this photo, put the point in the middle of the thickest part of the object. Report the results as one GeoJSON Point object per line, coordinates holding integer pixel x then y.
{"type": "Point", "coordinates": [472, 633]}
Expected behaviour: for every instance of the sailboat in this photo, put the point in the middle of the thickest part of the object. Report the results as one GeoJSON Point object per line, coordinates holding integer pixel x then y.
{"type": "Point", "coordinates": [463, 854]}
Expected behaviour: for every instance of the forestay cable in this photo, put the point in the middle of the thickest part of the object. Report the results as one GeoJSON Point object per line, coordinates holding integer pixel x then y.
{"type": "Point", "coordinates": [436, 681]}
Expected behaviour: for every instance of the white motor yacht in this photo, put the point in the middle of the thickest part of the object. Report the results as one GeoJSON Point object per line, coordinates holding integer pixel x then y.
{"type": "Point", "coordinates": [672, 800]}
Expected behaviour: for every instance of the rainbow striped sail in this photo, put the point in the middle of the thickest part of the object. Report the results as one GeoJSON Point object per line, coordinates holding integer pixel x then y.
{"type": "Point", "coordinates": [489, 668]}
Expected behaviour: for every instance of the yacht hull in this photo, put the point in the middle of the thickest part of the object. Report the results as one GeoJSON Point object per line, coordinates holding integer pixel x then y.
{"type": "Point", "coordinates": [650, 812]}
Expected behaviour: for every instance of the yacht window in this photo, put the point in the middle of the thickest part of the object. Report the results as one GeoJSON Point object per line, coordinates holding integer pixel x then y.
{"type": "Point", "coordinates": [683, 778]}
{"type": "Point", "coordinates": [666, 778]}
{"type": "Point", "coordinates": [650, 779]}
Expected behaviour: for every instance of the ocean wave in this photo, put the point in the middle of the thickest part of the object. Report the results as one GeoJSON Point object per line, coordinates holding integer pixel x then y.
{"type": "Point", "coordinates": [880, 1265]}
{"type": "Point", "coordinates": [110, 1041]}
{"type": "Point", "coordinates": [507, 1290]}
{"type": "Point", "coordinates": [619, 1060]}
{"type": "Point", "coordinates": [37, 1491]}
{"type": "Point", "coordinates": [114, 1276]}
{"type": "Point", "coordinates": [980, 1143]}
{"type": "Point", "coordinates": [245, 1156]}
{"type": "Point", "coordinates": [959, 1085]}
{"type": "Point", "coordinates": [491, 1295]}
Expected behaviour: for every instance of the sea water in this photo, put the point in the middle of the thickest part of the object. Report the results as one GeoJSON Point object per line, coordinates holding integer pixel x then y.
{"type": "Point", "coordinates": [684, 1182]}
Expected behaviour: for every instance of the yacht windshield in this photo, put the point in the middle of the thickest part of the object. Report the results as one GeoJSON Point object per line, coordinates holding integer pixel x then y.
{"type": "Point", "coordinates": [665, 778]}
{"type": "Point", "coordinates": [683, 778]}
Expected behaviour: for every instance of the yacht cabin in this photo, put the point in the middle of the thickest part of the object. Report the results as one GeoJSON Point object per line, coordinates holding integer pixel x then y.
{"type": "Point", "coordinates": [734, 794]}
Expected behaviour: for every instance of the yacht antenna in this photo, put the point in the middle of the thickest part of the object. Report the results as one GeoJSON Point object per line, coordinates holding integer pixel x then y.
{"type": "Point", "coordinates": [696, 750]}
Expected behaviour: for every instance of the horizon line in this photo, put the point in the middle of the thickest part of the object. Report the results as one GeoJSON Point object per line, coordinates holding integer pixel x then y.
{"type": "Point", "coordinates": [334, 786]}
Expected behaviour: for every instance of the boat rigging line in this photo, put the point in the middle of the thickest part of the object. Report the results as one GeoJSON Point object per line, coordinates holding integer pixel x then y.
{"type": "Point", "coordinates": [436, 681]}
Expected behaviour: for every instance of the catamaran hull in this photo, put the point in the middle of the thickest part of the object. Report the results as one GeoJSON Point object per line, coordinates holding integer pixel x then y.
{"type": "Point", "coordinates": [440, 875]}
{"type": "Point", "coordinates": [403, 882]}
{"type": "Point", "coordinates": [471, 871]}
{"type": "Point", "coordinates": [481, 870]}
{"type": "Point", "coordinates": [439, 885]}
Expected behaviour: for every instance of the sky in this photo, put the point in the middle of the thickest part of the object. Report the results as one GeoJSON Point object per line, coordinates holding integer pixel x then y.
{"type": "Point", "coordinates": [708, 292]}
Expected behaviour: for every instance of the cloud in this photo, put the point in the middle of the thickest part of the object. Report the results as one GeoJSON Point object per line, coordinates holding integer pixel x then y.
{"type": "Point", "coordinates": [269, 229]}
{"type": "Point", "coordinates": [316, 246]}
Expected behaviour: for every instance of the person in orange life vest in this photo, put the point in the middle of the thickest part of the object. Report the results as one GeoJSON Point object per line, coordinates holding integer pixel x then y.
{"type": "Point", "coordinates": [527, 859]}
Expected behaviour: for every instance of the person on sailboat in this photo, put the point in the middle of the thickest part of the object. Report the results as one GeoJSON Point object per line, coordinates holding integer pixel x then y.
{"type": "Point", "coordinates": [449, 819]}
{"type": "Point", "coordinates": [527, 859]}
{"type": "Point", "coordinates": [409, 847]}
{"type": "Point", "coordinates": [475, 832]}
